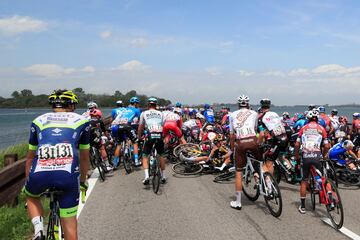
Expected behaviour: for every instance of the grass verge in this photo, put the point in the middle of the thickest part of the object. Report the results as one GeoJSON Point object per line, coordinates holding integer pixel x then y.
{"type": "Point", "coordinates": [20, 149]}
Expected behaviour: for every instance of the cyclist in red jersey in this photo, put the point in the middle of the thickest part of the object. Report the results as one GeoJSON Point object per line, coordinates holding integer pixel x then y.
{"type": "Point", "coordinates": [173, 122]}
{"type": "Point", "coordinates": [315, 145]}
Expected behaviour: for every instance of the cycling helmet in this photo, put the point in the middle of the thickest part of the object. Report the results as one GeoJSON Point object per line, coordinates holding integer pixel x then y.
{"type": "Point", "coordinates": [119, 103]}
{"type": "Point", "coordinates": [177, 110]}
{"type": "Point", "coordinates": [321, 109]}
{"type": "Point", "coordinates": [134, 100]}
{"type": "Point", "coordinates": [152, 100]}
{"type": "Point", "coordinates": [356, 115]}
{"type": "Point", "coordinates": [200, 116]}
{"type": "Point", "coordinates": [62, 98]}
{"type": "Point", "coordinates": [96, 113]}
{"type": "Point", "coordinates": [169, 107]}
{"type": "Point", "coordinates": [259, 110]}
{"type": "Point", "coordinates": [343, 119]}
{"type": "Point", "coordinates": [243, 100]}
{"type": "Point", "coordinates": [334, 111]}
{"type": "Point", "coordinates": [347, 144]}
{"type": "Point", "coordinates": [286, 114]}
{"type": "Point", "coordinates": [209, 127]}
{"type": "Point", "coordinates": [192, 113]}
{"type": "Point", "coordinates": [178, 105]}
{"type": "Point", "coordinates": [300, 116]}
{"type": "Point", "coordinates": [312, 115]}
{"type": "Point", "coordinates": [218, 138]}
{"type": "Point", "coordinates": [265, 103]}
{"type": "Point", "coordinates": [206, 106]}
{"type": "Point", "coordinates": [311, 107]}
{"type": "Point", "coordinates": [92, 105]}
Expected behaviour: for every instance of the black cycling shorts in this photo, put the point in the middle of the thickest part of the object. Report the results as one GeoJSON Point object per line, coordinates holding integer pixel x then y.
{"type": "Point", "coordinates": [306, 165]}
{"type": "Point", "coordinates": [123, 131]}
{"type": "Point", "coordinates": [151, 142]}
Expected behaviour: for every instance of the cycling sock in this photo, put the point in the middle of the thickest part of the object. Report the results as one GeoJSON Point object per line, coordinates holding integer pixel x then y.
{"type": "Point", "coordinates": [162, 174]}
{"type": "Point", "coordinates": [38, 223]}
{"type": "Point", "coordinates": [222, 166]}
{"type": "Point", "coordinates": [136, 156]}
{"type": "Point", "coordinates": [107, 162]}
{"type": "Point", "coordinates": [302, 199]}
{"type": "Point", "coordinates": [146, 173]}
{"type": "Point", "coordinates": [238, 196]}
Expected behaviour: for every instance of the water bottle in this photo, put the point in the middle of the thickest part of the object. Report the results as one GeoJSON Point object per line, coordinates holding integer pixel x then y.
{"type": "Point", "coordinates": [151, 161]}
{"type": "Point", "coordinates": [318, 182]}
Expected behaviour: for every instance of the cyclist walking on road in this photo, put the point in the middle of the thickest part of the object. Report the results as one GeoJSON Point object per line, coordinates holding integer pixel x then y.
{"type": "Point", "coordinates": [53, 161]}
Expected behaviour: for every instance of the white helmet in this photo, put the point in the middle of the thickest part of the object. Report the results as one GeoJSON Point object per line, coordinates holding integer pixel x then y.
{"type": "Point", "coordinates": [92, 105]}
{"type": "Point", "coordinates": [348, 144]}
{"type": "Point", "coordinates": [312, 114]}
{"type": "Point", "coordinates": [243, 100]}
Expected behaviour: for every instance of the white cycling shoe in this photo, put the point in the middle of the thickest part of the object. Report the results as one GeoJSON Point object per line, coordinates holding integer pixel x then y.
{"type": "Point", "coordinates": [236, 205]}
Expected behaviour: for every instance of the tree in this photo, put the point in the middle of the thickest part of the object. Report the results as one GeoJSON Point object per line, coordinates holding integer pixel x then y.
{"type": "Point", "coordinates": [15, 94]}
{"type": "Point", "coordinates": [26, 93]}
{"type": "Point", "coordinates": [78, 91]}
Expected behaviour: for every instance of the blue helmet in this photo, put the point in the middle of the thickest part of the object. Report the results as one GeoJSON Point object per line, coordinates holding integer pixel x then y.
{"type": "Point", "coordinates": [321, 109]}
{"type": "Point", "coordinates": [134, 100]}
{"type": "Point", "coordinates": [178, 104]}
{"type": "Point", "coordinates": [152, 100]}
{"type": "Point", "coordinates": [206, 106]}
{"type": "Point", "coordinates": [192, 113]}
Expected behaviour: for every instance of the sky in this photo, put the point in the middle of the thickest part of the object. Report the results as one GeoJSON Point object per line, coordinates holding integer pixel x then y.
{"type": "Point", "coordinates": [292, 52]}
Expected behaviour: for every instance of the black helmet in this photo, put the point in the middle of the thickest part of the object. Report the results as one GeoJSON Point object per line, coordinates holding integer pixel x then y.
{"type": "Point", "coordinates": [265, 103]}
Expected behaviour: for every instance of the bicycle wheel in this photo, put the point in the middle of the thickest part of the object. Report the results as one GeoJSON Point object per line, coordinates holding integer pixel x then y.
{"type": "Point", "coordinates": [313, 192]}
{"type": "Point", "coordinates": [250, 187]}
{"type": "Point", "coordinates": [127, 163]}
{"type": "Point", "coordinates": [183, 168]}
{"type": "Point", "coordinates": [331, 173]}
{"type": "Point", "coordinates": [273, 200]}
{"type": "Point", "coordinates": [186, 148]}
{"type": "Point", "coordinates": [224, 177]}
{"type": "Point", "coordinates": [156, 180]}
{"type": "Point", "coordinates": [101, 172]}
{"type": "Point", "coordinates": [92, 159]}
{"type": "Point", "coordinates": [335, 212]}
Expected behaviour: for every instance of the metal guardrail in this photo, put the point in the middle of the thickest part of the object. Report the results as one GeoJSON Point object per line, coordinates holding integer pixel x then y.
{"type": "Point", "coordinates": [12, 176]}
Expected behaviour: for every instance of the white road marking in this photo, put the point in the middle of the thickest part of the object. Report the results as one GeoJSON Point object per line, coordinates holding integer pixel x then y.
{"type": "Point", "coordinates": [91, 181]}
{"type": "Point", "coordinates": [343, 230]}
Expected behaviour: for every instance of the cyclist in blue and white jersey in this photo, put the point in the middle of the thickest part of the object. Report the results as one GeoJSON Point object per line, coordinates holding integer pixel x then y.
{"type": "Point", "coordinates": [58, 157]}
{"type": "Point", "coordinates": [134, 105]}
{"type": "Point", "coordinates": [340, 152]}
{"type": "Point", "coordinates": [300, 122]}
{"type": "Point", "coordinates": [152, 121]}
{"type": "Point", "coordinates": [209, 114]}
{"type": "Point", "coordinates": [119, 108]}
{"type": "Point", "coordinates": [120, 127]}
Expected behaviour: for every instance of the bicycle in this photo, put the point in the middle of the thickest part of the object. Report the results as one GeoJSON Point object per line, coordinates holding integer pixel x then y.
{"type": "Point", "coordinates": [97, 162]}
{"type": "Point", "coordinates": [187, 167]}
{"type": "Point", "coordinates": [328, 195]}
{"type": "Point", "coordinates": [54, 231]}
{"type": "Point", "coordinates": [226, 176]}
{"type": "Point", "coordinates": [126, 152]}
{"type": "Point", "coordinates": [154, 170]}
{"type": "Point", "coordinates": [261, 186]}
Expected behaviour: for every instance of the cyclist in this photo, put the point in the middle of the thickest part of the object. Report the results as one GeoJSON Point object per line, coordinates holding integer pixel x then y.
{"type": "Point", "coordinates": [116, 111]}
{"type": "Point", "coordinates": [53, 160]}
{"type": "Point", "coordinates": [243, 124]}
{"type": "Point", "coordinates": [97, 130]}
{"type": "Point", "coordinates": [121, 127]}
{"type": "Point", "coordinates": [340, 152]}
{"type": "Point", "coordinates": [209, 114]}
{"type": "Point", "coordinates": [325, 117]}
{"type": "Point", "coordinates": [191, 128]}
{"type": "Point", "coordinates": [173, 122]}
{"type": "Point", "coordinates": [134, 105]}
{"type": "Point", "coordinates": [270, 123]}
{"type": "Point", "coordinates": [300, 122]}
{"type": "Point", "coordinates": [313, 139]}
{"type": "Point", "coordinates": [91, 106]}
{"type": "Point", "coordinates": [151, 120]}
{"type": "Point", "coordinates": [287, 120]}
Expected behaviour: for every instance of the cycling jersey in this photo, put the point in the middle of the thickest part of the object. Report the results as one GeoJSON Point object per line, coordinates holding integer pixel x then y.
{"type": "Point", "coordinates": [356, 126]}
{"type": "Point", "coordinates": [327, 121]}
{"type": "Point", "coordinates": [97, 127]}
{"type": "Point", "coordinates": [172, 122]}
{"type": "Point", "coordinates": [334, 120]}
{"type": "Point", "coordinates": [153, 123]}
{"type": "Point", "coordinates": [56, 138]}
{"type": "Point", "coordinates": [116, 111]}
{"type": "Point", "coordinates": [125, 116]}
{"type": "Point", "coordinates": [299, 124]}
{"type": "Point", "coordinates": [312, 136]}
{"type": "Point", "coordinates": [337, 153]}
{"type": "Point", "coordinates": [209, 115]}
{"type": "Point", "coordinates": [271, 122]}
{"type": "Point", "coordinates": [135, 121]}
{"type": "Point", "coordinates": [243, 123]}
{"type": "Point", "coordinates": [320, 121]}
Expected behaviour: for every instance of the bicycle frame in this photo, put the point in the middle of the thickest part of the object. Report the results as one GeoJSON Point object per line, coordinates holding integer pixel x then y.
{"type": "Point", "coordinates": [324, 199]}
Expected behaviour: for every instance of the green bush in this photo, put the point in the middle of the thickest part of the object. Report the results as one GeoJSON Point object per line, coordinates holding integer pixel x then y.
{"type": "Point", "coordinates": [20, 149]}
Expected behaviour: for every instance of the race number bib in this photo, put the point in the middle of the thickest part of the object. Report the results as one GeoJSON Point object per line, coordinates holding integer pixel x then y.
{"type": "Point", "coordinates": [312, 143]}
{"type": "Point", "coordinates": [155, 128]}
{"type": "Point", "coordinates": [245, 132]}
{"type": "Point", "coordinates": [55, 157]}
{"type": "Point", "coordinates": [278, 130]}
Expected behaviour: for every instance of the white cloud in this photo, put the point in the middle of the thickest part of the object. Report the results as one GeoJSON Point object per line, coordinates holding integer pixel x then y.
{"type": "Point", "coordinates": [330, 68]}
{"type": "Point", "coordinates": [105, 34]}
{"type": "Point", "coordinates": [213, 71]}
{"type": "Point", "coordinates": [245, 73]}
{"type": "Point", "coordinates": [18, 24]}
{"type": "Point", "coordinates": [274, 74]}
{"type": "Point", "coordinates": [54, 70]}
{"type": "Point", "coordinates": [132, 66]}
{"type": "Point", "coordinates": [298, 72]}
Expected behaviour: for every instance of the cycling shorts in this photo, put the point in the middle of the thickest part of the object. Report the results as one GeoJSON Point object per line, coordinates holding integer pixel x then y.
{"type": "Point", "coordinates": [39, 182]}
{"type": "Point", "coordinates": [278, 144]}
{"type": "Point", "coordinates": [122, 131]}
{"type": "Point", "coordinates": [151, 142]}
{"type": "Point", "coordinates": [242, 147]}
{"type": "Point", "coordinates": [306, 165]}
{"type": "Point", "coordinates": [172, 126]}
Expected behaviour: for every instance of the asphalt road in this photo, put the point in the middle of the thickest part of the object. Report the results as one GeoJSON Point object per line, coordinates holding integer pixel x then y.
{"type": "Point", "coordinates": [198, 208]}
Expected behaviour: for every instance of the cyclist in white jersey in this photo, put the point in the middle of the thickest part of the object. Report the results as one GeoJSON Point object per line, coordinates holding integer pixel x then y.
{"type": "Point", "coordinates": [243, 124]}
{"type": "Point", "coordinates": [152, 121]}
